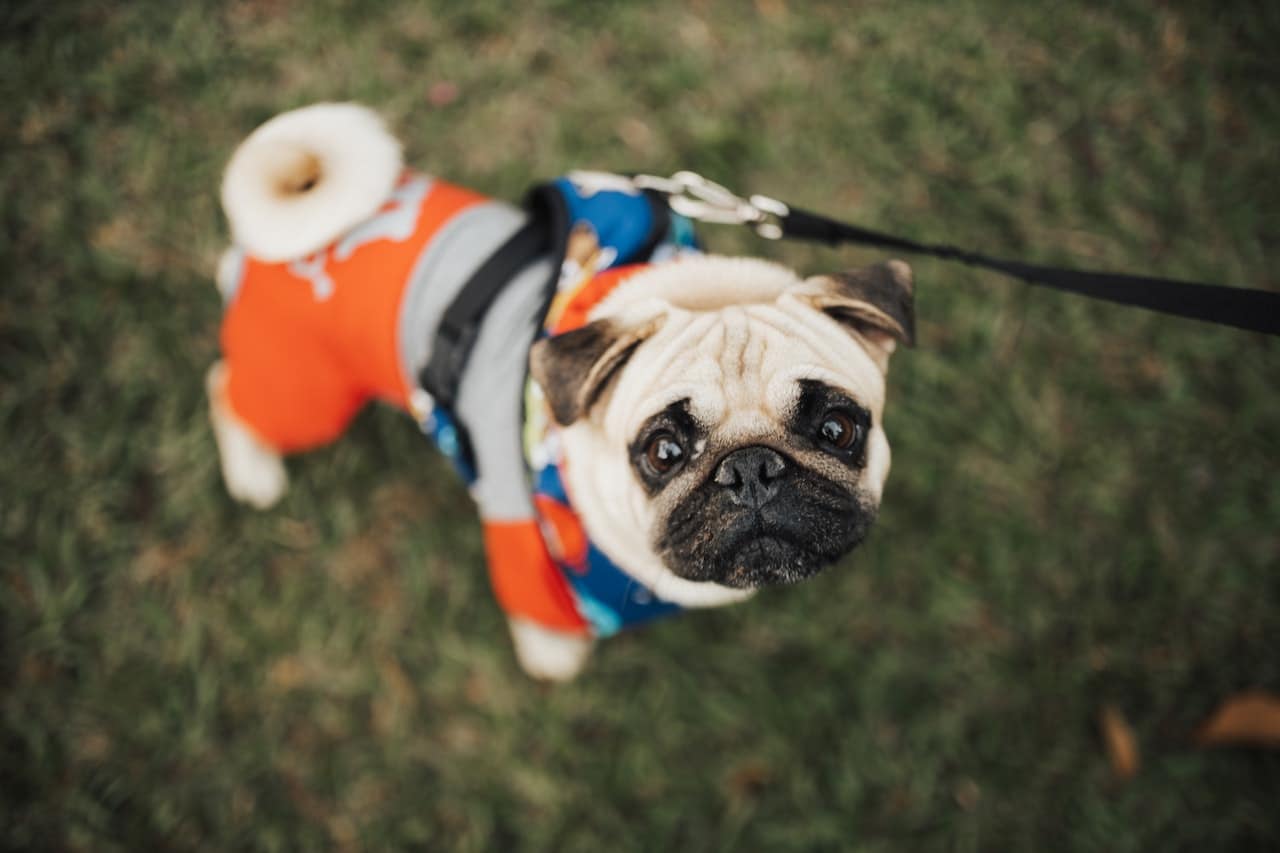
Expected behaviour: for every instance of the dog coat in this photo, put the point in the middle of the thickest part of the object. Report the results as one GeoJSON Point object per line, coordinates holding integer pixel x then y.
{"type": "Point", "coordinates": [307, 343]}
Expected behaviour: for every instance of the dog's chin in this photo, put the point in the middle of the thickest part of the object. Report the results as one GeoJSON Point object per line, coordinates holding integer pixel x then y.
{"type": "Point", "coordinates": [766, 559]}
{"type": "Point", "coordinates": [751, 551]}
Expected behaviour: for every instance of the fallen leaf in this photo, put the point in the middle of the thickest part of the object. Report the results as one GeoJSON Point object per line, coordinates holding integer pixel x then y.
{"type": "Point", "coordinates": [287, 673]}
{"type": "Point", "coordinates": [443, 93]}
{"type": "Point", "coordinates": [748, 780]}
{"type": "Point", "coordinates": [966, 793]}
{"type": "Point", "coordinates": [92, 746]}
{"type": "Point", "coordinates": [1251, 718]}
{"type": "Point", "coordinates": [1122, 746]}
{"type": "Point", "coordinates": [774, 10]}
{"type": "Point", "coordinates": [637, 136]}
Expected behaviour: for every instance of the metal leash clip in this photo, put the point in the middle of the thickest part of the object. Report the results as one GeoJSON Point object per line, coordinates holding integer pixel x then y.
{"type": "Point", "coordinates": [692, 195]}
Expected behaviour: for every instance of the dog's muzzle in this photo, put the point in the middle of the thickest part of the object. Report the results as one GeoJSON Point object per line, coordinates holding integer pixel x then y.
{"type": "Point", "coordinates": [762, 519]}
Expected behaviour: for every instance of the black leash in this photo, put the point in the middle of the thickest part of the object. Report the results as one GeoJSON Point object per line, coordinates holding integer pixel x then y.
{"type": "Point", "coordinates": [695, 197]}
{"type": "Point", "coordinates": [1244, 308]}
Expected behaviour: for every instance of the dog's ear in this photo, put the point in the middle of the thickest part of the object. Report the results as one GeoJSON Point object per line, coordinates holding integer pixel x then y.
{"type": "Point", "coordinates": [575, 367]}
{"type": "Point", "coordinates": [876, 302]}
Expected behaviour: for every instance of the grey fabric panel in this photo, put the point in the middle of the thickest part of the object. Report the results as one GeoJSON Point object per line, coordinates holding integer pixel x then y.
{"type": "Point", "coordinates": [491, 401]}
{"type": "Point", "coordinates": [451, 257]}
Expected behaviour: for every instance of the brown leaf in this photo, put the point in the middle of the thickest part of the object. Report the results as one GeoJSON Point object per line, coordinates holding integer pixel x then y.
{"type": "Point", "coordinates": [397, 681]}
{"type": "Point", "coordinates": [287, 673]}
{"type": "Point", "coordinates": [391, 706]}
{"type": "Point", "coordinates": [749, 779]}
{"type": "Point", "coordinates": [773, 10]}
{"type": "Point", "coordinates": [637, 136]}
{"type": "Point", "coordinates": [1122, 746]}
{"type": "Point", "coordinates": [1251, 718]}
{"type": "Point", "coordinates": [966, 793]}
{"type": "Point", "coordinates": [443, 93]}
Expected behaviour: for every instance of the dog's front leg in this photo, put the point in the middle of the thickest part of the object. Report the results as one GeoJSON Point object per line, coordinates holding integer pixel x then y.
{"type": "Point", "coordinates": [547, 654]}
{"type": "Point", "coordinates": [253, 472]}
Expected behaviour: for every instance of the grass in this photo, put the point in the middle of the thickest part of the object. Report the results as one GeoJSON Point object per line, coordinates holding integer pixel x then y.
{"type": "Point", "coordinates": [1083, 510]}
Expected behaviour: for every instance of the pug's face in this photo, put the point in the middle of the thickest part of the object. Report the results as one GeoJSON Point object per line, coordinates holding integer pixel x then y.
{"type": "Point", "coordinates": [721, 420]}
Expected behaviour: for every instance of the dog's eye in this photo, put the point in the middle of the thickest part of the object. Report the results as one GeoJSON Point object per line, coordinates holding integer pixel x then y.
{"type": "Point", "coordinates": [663, 452]}
{"type": "Point", "coordinates": [839, 430]}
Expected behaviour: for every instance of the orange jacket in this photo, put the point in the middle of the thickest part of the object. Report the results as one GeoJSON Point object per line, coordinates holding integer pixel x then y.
{"type": "Point", "coordinates": [308, 342]}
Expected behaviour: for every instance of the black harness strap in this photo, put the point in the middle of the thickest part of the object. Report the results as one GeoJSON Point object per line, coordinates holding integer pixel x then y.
{"type": "Point", "coordinates": [1243, 308]}
{"type": "Point", "coordinates": [460, 325]}
{"type": "Point", "coordinates": [544, 234]}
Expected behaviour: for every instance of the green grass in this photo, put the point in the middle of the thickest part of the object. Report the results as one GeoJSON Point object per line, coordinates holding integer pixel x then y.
{"type": "Point", "coordinates": [1083, 509]}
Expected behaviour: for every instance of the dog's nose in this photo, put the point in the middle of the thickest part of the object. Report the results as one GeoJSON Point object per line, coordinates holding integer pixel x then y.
{"type": "Point", "coordinates": [751, 475]}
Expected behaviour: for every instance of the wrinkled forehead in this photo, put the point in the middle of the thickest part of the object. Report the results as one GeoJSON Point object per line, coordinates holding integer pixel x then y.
{"type": "Point", "coordinates": [741, 367]}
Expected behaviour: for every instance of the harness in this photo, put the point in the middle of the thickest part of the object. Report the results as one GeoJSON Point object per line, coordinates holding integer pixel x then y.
{"type": "Point", "coordinates": [599, 229]}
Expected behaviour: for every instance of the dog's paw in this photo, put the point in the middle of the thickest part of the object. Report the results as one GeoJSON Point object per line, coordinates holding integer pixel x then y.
{"type": "Point", "coordinates": [258, 479]}
{"type": "Point", "coordinates": [549, 655]}
{"type": "Point", "coordinates": [253, 472]}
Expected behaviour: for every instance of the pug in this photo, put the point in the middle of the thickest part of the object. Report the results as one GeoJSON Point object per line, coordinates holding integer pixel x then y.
{"type": "Point", "coordinates": [705, 427]}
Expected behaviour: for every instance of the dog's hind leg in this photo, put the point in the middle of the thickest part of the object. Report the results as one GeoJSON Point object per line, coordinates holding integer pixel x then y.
{"type": "Point", "coordinates": [547, 654]}
{"type": "Point", "coordinates": [253, 472]}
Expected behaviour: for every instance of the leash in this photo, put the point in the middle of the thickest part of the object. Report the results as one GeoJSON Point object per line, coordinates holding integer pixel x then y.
{"type": "Point", "coordinates": [692, 195]}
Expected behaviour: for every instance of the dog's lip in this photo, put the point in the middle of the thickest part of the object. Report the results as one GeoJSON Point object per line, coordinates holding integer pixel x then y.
{"type": "Point", "coordinates": [765, 559]}
{"type": "Point", "coordinates": [767, 538]}
{"type": "Point", "coordinates": [757, 526]}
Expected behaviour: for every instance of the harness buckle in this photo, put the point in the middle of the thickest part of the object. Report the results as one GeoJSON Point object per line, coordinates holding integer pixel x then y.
{"type": "Point", "coordinates": [689, 194]}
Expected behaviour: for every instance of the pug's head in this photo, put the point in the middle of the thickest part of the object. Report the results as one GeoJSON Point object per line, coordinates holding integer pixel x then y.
{"type": "Point", "coordinates": [721, 419]}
